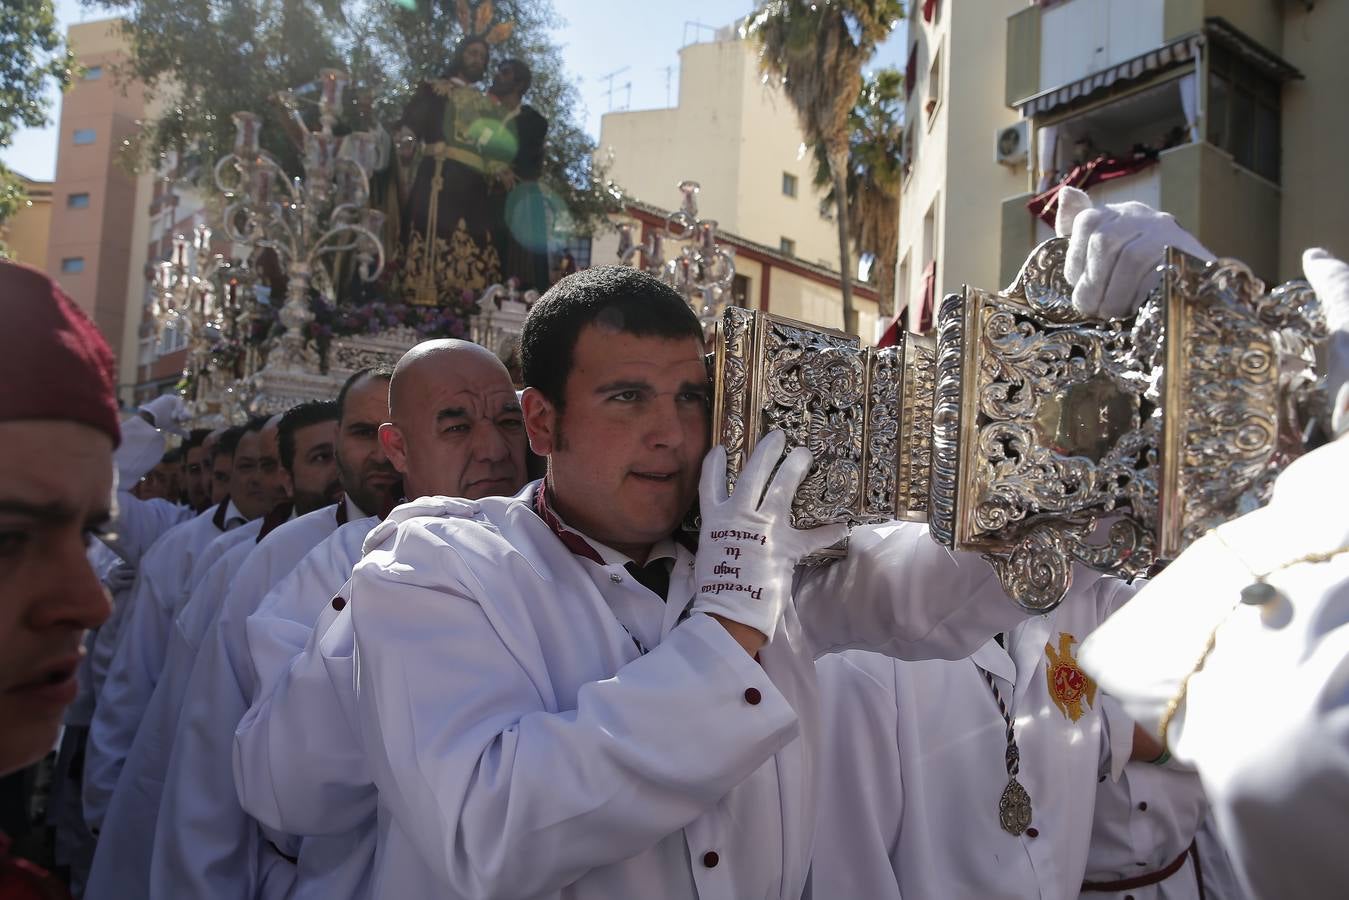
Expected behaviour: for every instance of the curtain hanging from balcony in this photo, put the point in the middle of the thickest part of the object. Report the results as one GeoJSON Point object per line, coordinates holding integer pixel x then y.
{"type": "Point", "coordinates": [1189, 102]}
{"type": "Point", "coordinates": [1045, 205]}
{"type": "Point", "coordinates": [1176, 53]}
{"type": "Point", "coordinates": [1046, 155]}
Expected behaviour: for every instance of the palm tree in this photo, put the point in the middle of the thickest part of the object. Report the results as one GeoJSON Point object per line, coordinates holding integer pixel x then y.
{"type": "Point", "coordinates": [875, 174]}
{"type": "Point", "coordinates": [816, 49]}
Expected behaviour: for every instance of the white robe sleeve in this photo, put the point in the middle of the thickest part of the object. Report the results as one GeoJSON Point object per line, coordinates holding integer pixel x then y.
{"type": "Point", "coordinates": [204, 844]}
{"type": "Point", "coordinates": [502, 797]}
{"type": "Point", "coordinates": [130, 682]}
{"type": "Point", "coordinates": [900, 593]}
{"type": "Point", "coordinates": [299, 766]}
{"type": "Point", "coordinates": [861, 789]}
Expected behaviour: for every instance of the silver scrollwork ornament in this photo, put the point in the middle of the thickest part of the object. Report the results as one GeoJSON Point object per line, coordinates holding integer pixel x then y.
{"type": "Point", "coordinates": [1032, 435]}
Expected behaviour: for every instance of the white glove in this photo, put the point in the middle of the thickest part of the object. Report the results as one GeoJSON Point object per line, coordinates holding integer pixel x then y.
{"type": "Point", "coordinates": [442, 507]}
{"type": "Point", "coordinates": [169, 412]}
{"type": "Point", "coordinates": [748, 549]}
{"type": "Point", "coordinates": [1114, 252]}
{"type": "Point", "coordinates": [1329, 277]}
{"type": "Point", "coordinates": [120, 578]}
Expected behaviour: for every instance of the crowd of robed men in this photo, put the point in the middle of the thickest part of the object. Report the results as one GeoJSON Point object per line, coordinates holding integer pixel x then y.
{"type": "Point", "coordinates": [381, 661]}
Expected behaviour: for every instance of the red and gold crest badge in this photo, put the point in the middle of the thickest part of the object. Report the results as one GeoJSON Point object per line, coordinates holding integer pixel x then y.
{"type": "Point", "coordinates": [1069, 686]}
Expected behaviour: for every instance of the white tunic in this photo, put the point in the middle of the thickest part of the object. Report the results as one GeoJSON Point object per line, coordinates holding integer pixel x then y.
{"type": "Point", "coordinates": [139, 657]}
{"type": "Point", "coordinates": [122, 865]}
{"type": "Point", "coordinates": [914, 765]}
{"type": "Point", "coordinates": [301, 742]}
{"type": "Point", "coordinates": [522, 746]}
{"type": "Point", "coordinates": [1266, 722]}
{"type": "Point", "coordinates": [204, 845]}
{"type": "Point", "coordinates": [1143, 822]}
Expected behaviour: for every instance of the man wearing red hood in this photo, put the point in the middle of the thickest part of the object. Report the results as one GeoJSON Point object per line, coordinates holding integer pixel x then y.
{"type": "Point", "coordinates": [58, 430]}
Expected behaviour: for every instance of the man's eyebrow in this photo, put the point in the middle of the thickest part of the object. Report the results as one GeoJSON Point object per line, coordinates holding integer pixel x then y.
{"type": "Point", "coordinates": [451, 412]}
{"type": "Point", "coordinates": [511, 407]}
{"type": "Point", "coordinates": [623, 385]}
{"type": "Point", "coordinates": [697, 387]}
{"type": "Point", "coordinates": [51, 513]}
{"type": "Point", "coordinates": [326, 447]}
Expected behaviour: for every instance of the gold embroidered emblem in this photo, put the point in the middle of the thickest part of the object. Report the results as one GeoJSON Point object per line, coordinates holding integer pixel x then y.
{"type": "Point", "coordinates": [1068, 684]}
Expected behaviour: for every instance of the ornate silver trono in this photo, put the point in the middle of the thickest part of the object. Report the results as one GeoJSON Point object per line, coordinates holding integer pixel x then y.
{"type": "Point", "coordinates": [864, 413]}
{"type": "Point", "coordinates": [1032, 435]}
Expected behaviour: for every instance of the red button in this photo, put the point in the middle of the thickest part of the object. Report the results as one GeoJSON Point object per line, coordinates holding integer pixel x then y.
{"type": "Point", "coordinates": [710, 859]}
{"type": "Point", "coordinates": [339, 604]}
{"type": "Point", "coordinates": [1032, 832]}
{"type": "Point", "coordinates": [752, 696]}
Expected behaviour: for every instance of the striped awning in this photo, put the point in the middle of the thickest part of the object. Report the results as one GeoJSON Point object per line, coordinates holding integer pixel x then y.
{"type": "Point", "coordinates": [1177, 53]}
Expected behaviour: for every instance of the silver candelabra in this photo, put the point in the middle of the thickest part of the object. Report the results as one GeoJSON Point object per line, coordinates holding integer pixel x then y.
{"type": "Point", "coordinates": [703, 271]}
{"type": "Point", "coordinates": [310, 222]}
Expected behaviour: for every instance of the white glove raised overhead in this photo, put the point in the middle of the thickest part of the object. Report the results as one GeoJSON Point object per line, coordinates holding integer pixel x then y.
{"type": "Point", "coordinates": [1329, 277]}
{"type": "Point", "coordinates": [1114, 252]}
{"type": "Point", "coordinates": [748, 549]}
{"type": "Point", "coordinates": [169, 412]}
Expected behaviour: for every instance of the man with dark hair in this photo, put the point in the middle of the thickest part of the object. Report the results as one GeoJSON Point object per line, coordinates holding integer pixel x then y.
{"type": "Point", "coordinates": [58, 432]}
{"type": "Point", "coordinates": [200, 840]}
{"type": "Point", "coordinates": [307, 440]}
{"type": "Point", "coordinates": [160, 483]}
{"type": "Point", "coordinates": [222, 463]}
{"type": "Point", "coordinates": [535, 647]}
{"type": "Point", "coordinates": [196, 471]}
{"type": "Point", "coordinates": [456, 431]}
{"type": "Point", "coordinates": [142, 637]}
{"type": "Point", "coordinates": [371, 482]}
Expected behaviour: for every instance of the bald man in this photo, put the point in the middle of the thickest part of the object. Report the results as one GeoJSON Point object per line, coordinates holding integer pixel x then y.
{"type": "Point", "coordinates": [457, 431]}
{"type": "Point", "coordinates": [456, 428]}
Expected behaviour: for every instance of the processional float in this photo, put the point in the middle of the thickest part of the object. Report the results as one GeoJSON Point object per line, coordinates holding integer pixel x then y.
{"type": "Point", "coordinates": [248, 352]}
{"type": "Point", "coordinates": [1033, 435]}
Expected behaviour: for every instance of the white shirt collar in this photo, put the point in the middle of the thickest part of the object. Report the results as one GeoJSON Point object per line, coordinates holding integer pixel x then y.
{"type": "Point", "coordinates": [662, 549]}
{"type": "Point", "coordinates": [354, 512]}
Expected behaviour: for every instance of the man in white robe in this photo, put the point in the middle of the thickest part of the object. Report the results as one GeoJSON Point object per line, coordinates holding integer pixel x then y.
{"type": "Point", "coordinates": [456, 429]}
{"type": "Point", "coordinates": [202, 843]}
{"type": "Point", "coordinates": [639, 746]}
{"type": "Point", "coordinates": [123, 859]}
{"type": "Point", "coordinates": [915, 765]}
{"type": "Point", "coordinates": [1263, 601]}
{"type": "Point", "coordinates": [135, 667]}
{"type": "Point", "coordinates": [518, 702]}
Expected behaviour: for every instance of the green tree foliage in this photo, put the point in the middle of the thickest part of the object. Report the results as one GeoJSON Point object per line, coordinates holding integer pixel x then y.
{"type": "Point", "coordinates": [875, 175]}
{"type": "Point", "coordinates": [817, 48]}
{"type": "Point", "coordinates": [210, 58]}
{"type": "Point", "coordinates": [32, 55]}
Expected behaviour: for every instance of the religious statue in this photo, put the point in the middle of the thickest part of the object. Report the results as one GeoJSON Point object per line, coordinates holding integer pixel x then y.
{"type": "Point", "coordinates": [452, 144]}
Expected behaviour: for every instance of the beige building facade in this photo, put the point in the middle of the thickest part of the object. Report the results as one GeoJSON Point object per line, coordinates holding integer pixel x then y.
{"type": "Point", "coordinates": [766, 278]}
{"type": "Point", "coordinates": [98, 220]}
{"type": "Point", "coordinates": [950, 201]}
{"type": "Point", "coordinates": [1241, 102]}
{"type": "Point", "coordinates": [738, 137]}
{"type": "Point", "coordinates": [1229, 114]}
{"type": "Point", "coordinates": [26, 232]}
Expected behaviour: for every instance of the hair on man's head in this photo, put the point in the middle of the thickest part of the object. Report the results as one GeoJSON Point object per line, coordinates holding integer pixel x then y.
{"type": "Point", "coordinates": [621, 298]}
{"type": "Point", "coordinates": [229, 441]}
{"type": "Point", "coordinates": [195, 438]}
{"type": "Point", "coordinates": [379, 373]}
{"type": "Point", "coordinates": [521, 72]}
{"type": "Point", "coordinates": [313, 412]}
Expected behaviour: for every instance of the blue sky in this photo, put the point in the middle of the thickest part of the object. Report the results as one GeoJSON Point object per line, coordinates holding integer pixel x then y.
{"type": "Point", "coordinates": [600, 37]}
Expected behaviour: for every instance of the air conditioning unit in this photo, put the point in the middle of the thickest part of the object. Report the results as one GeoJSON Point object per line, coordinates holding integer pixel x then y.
{"type": "Point", "coordinates": [1013, 144]}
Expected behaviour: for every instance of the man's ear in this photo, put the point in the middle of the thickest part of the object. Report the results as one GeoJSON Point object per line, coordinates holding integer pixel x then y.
{"type": "Point", "coordinates": [540, 421]}
{"type": "Point", "coordinates": [394, 447]}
